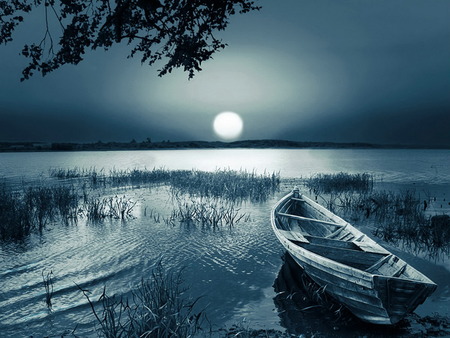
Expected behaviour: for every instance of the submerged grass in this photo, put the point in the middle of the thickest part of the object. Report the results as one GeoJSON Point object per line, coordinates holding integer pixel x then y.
{"type": "Point", "coordinates": [158, 308]}
{"type": "Point", "coordinates": [33, 208]}
{"type": "Point", "coordinates": [207, 212]}
{"type": "Point", "coordinates": [118, 207]}
{"type": "Point", "coordinates": [214, 197]}
{"type": "Point", "coordinates": [48, 285]}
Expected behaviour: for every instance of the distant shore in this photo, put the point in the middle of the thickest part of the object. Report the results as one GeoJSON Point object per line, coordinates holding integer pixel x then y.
{"type": "Point", "coordinates": [149, 145]}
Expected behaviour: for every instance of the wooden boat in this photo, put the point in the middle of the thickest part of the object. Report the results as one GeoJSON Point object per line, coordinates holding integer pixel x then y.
{"type": "Point", "coordinates": [374, 284]}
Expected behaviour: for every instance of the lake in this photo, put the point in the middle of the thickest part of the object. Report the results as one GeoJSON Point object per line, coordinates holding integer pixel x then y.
{"type": "Point", "coordinates": [234, 269]}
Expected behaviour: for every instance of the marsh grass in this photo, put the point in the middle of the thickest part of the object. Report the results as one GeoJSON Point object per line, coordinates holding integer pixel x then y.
{"type": "Point", "coordinates": [117, 207]}
{"type": "Point", "coordinates": [33, 208]}
{"type": "Point", "coordinates": [227, 184]}
{"type": "Point", "coordinates": [208, 212]}
{"type": "Point", "coordinates": [340, 182]}
{"type": "Point", "coordinates": [48, 285]}
{"type": "Point", "coordinates": [158, 307]}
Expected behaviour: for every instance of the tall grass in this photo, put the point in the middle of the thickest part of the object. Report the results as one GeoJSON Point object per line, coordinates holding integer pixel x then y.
{"type": "Point", "coordinates": [158, 308]}
{"type": "Point", "coordinates": [118, 207]}
{"type": "Point", "coordinates": [22, 212]}
{"type": "Point", "coordinates": [207, 212]}
{"type": "Point", "coordinates": [33, 208]}
{"type": "Point", "coordinates": [15, 218]}
{"type": "Point", "coordinates": [228, 184]}
{"type": "Point", "coordinates": [340, 182]}
{"type": "Point", "coordinates": [48, 285]}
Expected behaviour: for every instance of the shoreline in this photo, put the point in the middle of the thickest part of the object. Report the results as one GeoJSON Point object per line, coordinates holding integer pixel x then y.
{"type": "Point", "coordinates": [179, 145]}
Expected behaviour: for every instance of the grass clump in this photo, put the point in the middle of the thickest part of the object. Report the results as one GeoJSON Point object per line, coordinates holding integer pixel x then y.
{"type": "Point", "coordinates": [208, 212]}
{"type": "Point", "coordinates": [227, 184]}
{"type": "Point", "coordinates": [48, 285]}
{"type": "Point", "coordinates": [118, 207]}
{"type": "Point", "coordinates": [32, 209]}
{"type": "Point", "coordinates": [158, 308]}
{"type": "Point", "coordinates": [340, 182]}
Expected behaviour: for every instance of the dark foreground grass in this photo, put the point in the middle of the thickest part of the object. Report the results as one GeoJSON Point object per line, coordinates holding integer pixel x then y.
{"type": "Point", "coordinates": [159, 308]}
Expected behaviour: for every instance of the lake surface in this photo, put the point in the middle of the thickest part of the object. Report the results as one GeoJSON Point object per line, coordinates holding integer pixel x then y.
{"type": "Point", "coordinates": [234, 269]}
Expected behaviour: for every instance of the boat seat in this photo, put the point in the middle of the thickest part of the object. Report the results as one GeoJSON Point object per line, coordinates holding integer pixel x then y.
{"type": "Point", "coordinates": [332, 242]}
{"type": "Point", "coordinates": [345, 236]}
{"type": "Point", "coordinates": [337, 232]}
{"type": "Point", "coordinates": [376, 265]}
{"type": "Point", "coordinates": [293, 236]}
{"type": "Point", "coordinates": [301, 218]}
{"type": "Point", "coordinates": [355, 258]}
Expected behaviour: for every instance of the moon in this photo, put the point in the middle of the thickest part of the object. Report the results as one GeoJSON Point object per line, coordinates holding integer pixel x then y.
{"type": "Point", "coordinates": [228, 125]}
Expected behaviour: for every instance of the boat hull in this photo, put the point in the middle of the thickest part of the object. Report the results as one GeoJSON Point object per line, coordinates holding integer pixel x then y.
{"type": "Point", "coordinates": [370, 296]}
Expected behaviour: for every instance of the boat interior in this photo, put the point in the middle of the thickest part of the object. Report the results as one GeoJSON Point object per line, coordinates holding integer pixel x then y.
{"type": "Point", "coordinates": [328, 239]}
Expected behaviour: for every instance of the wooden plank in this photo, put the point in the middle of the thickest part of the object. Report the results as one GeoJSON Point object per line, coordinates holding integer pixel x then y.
{"type": "Point", "coordinates": [400, 271]}
{"type": "Point", "coordinates": [332, 242]}
{"type": "Point", "coordinates": [335, 275]}
{"type": "Point", "coordinates": [351, 275]}
{"type": "Point", "coordinates": [337, 232]}
{"type": "Point", "coordinates": [371, 247]}
{"type": "Point", "coordinates": [297, 199]}
{"type": "Point", "coordinates": [293, 236]}
{"type": "Point", "coordinates": [301, 218]}
{"type": "Point", "coordinates": [346, 236]}
{"type": "Point", "coordinates": [344, 288]}
{"type": "Point", "coordinates": [357, 259]}
{"type": "Point", "coordinates": [375, 266]}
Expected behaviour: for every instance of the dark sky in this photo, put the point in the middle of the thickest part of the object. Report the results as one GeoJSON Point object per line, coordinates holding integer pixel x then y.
{"type": "Point", "coordinates": [325, 70]}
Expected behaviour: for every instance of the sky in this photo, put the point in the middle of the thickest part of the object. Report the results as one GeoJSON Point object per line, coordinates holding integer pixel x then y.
{"type": "Point", "coordinates": [374, 71]}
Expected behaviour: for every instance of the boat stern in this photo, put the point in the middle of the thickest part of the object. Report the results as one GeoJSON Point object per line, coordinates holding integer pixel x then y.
{"type": "Point", "coordinates": [401, 296]}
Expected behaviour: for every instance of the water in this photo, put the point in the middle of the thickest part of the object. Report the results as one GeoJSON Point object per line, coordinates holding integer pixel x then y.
{"type": "Point", "coordinates": [234, 269]}
{"type": "Point", "coordinates": [391, 165]}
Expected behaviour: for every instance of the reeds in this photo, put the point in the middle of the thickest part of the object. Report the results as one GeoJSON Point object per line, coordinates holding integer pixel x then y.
{"type": "Point", "coordinates": [228, 184]}
{"type": "Point", "coordinates": [158, 308]}
{"type": "Point", "coordinates": [207, 212]}
{"type": "Point", "coordinates": [33, 208]}
{"type": "Point", "coordinates": [48, 285]}
{"type": "Point", "coordinates": [22, 212]}
{"type": "Point", "coordinates": [340, 182]}
{"type": "Point", "coordinates": [118, 207]}
{"type": "Point", "coordinates": [76, 172]}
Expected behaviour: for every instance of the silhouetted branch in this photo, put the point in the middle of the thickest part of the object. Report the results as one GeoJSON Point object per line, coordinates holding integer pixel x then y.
{"type": "Point", "coordinates": [180, 31]}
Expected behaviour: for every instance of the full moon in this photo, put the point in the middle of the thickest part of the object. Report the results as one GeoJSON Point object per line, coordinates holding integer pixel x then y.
{"type": "Point", "coordinates": [228, 125]}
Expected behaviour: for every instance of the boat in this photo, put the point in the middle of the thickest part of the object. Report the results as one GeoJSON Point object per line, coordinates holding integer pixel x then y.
{"type": "Point", "coordinates": [374, 284]}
